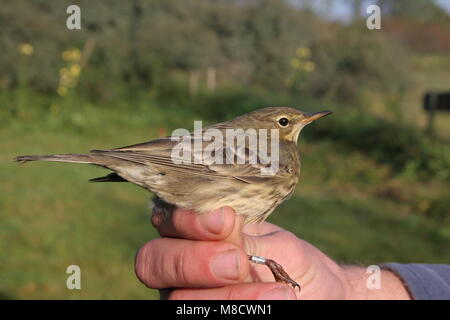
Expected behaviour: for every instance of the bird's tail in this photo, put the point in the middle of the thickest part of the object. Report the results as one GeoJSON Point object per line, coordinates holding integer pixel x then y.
{"type": "Point", "coordinates": [99, 158]}
{"type": "Point", "coordinates": [75, 158]}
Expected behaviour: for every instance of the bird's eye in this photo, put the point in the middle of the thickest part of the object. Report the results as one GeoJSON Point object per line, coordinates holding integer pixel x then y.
{"type": "Point", "coordinates": [283, 122]}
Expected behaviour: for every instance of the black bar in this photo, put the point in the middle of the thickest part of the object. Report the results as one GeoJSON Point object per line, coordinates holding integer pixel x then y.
{"type": "Point", "coordinates": [217, 309]}
{"type": "Point", "coordinates": [437, 101]}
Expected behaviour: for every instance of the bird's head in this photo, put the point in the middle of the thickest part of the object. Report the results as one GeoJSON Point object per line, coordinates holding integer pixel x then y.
{"type": "Point", "coordinates": [288, 121]}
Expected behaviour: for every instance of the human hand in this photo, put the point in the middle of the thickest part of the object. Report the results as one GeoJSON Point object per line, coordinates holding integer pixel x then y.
{"type": "Point", "coordinates": [205, 257]}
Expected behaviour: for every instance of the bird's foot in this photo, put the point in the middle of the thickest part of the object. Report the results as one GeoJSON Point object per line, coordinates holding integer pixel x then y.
{"type": "Point", "coordinates": [277, 270]}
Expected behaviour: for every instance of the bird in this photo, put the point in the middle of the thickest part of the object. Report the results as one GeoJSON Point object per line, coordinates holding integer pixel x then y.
{"type": "Point", "coordinates": [253, 172]}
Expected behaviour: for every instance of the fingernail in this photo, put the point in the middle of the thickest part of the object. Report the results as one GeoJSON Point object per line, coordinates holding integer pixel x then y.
{"type": "Point", "coordinates": [213, 221]}
{"type": "Point", "coordinates": [226, 265]}
{"type": "Point", "coordinates": [280, 293]}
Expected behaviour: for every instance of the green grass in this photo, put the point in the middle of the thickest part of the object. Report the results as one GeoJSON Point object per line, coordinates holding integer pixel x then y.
{"type": "Point", "coordinates": [52, 217]}
{"type": "Point", "coordinates": [353, 207]}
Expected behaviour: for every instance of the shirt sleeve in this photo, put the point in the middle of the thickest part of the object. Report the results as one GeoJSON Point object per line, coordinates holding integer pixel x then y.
{"type": "Point", "coordinates": [423, 281]}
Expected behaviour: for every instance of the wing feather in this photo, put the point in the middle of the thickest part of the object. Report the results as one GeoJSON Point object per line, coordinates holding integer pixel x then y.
{"type": "Point", "coordinates": [159, 152]}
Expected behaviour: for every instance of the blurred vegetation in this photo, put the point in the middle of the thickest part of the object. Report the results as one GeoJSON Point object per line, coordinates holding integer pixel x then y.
{"type": "Point", "coordinates": [374, 187]}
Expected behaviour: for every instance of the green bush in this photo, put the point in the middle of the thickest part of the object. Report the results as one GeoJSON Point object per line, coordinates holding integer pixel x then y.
{"type": "Point", "coordinates": [350, 59]}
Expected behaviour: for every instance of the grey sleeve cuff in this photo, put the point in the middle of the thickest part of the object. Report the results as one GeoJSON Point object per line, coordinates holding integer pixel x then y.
{"type": "Point", "coordinates": [423, 281]}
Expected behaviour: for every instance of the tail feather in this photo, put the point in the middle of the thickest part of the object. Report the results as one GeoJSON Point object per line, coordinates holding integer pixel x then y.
{"type": "Point", "coordinates": [99, 159]}
{"type": "Point", "coordinates": [75, 158]}
{"type": "Point", "coordinates": [112, 177]}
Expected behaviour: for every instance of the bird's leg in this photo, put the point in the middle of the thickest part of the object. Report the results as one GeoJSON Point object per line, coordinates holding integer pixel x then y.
{"type": "Point", "coordinates": [277, 270]}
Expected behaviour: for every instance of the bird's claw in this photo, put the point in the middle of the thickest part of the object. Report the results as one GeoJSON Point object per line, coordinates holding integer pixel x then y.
{"type": "Point", "coordinates": [280, 275]}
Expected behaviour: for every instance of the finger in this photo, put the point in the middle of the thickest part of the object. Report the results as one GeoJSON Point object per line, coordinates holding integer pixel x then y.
{"type": "Point", "coordinates": [246, 291]}
{"type": "Point", "coordinates": [168, 262]}
{"type": "Point", "coordinates": [187, 224]}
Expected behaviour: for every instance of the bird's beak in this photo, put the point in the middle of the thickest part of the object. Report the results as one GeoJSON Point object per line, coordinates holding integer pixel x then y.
{"type": "Point", "coordinates": [310, 117]}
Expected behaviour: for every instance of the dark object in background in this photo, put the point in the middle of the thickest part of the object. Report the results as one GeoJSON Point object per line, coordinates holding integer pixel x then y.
{"type": "Point", "coordinates": [434, 101]}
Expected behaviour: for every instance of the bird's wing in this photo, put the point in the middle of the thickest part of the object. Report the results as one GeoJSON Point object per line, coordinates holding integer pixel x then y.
{"type": "Point", "coordinates": [159, 152]}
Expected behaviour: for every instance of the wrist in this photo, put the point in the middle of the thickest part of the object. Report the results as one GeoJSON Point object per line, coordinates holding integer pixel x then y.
{"type": "Point", "coordinates": [355, 280]}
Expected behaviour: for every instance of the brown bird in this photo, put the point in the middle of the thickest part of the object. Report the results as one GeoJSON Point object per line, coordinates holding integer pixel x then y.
{"type": "Point", "coordinates": [250, 163]}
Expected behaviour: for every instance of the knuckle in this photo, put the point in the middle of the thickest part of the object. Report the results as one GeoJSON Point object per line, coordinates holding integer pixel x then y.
{"type": "Point", "coordinates": [141, 262]}
{"type": "Point", "coordinates": [252, 245]}
{"type": "Point", "coordinates": [180, 273]}
{"type": "Point", "coordinates": [186, 223]}
{"type": "Point", "coordinates": [244, 265]}
{"type": "Point", "coordinates": [177, 220]}
{"type": "Point", "coordinates": [146, 264]}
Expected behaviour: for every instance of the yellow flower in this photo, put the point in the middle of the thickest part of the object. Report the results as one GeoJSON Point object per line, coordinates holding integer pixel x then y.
{"type": "Point", "coordinates": [295, 63]}
{"type": "Point", "coordinates": [71, 55]}
{"type": "Point", "coordinates": [65, 81]}
{"type": "Point", "coordinates": [26, 49]}
{"type": "Point", "coordinates": [67, 55]}
{"type": "Point", "coordinates": [63, 72]}
{"type": "Point", "coordinates": [303, 52]}
{"type": "Point", "coordinates": [62, 91]}
{"type": "Point", "coordinates": [76, 55]}
{"type": "Point", "coordinates": [75, 70]}
{"type": "Point", "coordinates": [309, 66]}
